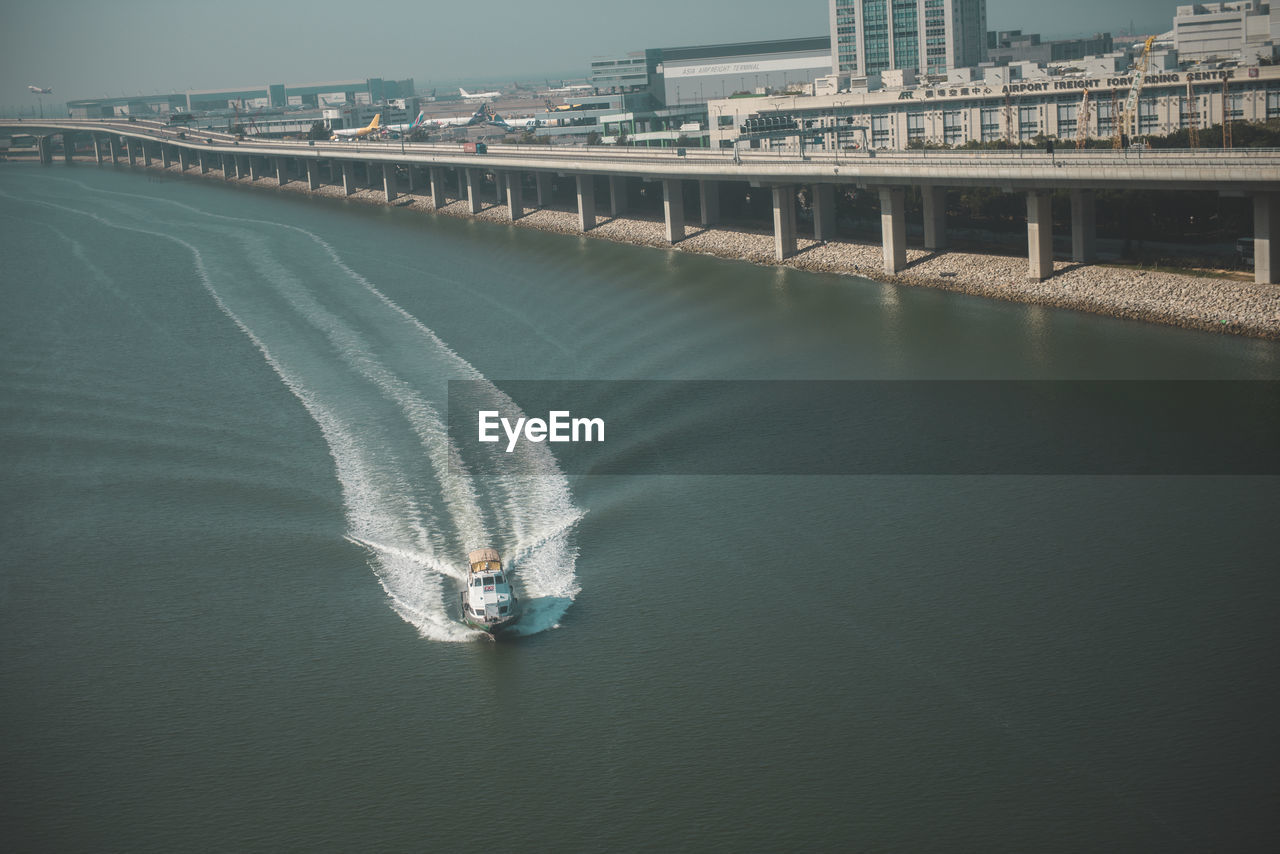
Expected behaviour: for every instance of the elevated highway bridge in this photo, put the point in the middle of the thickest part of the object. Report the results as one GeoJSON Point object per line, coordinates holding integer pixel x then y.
{"type": "Point", "coordinates": [1243, 172]}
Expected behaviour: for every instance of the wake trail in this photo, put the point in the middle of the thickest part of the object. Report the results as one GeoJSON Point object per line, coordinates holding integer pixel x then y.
{"type": "Point", "coordinates": [390, 493]}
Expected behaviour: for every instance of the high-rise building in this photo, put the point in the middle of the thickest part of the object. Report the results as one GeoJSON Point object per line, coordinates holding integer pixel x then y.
{"type": "Point", "coordinates": [925, 36]}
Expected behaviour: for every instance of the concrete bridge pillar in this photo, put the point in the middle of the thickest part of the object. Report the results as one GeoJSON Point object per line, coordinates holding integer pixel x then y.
{"type": "Point", "coordinates": [44, 147]}
{"type": "Point", "coordinates": [164, 154]}
{"type": "Point", "coordinates": [1084, 227]}
{"type": "Point", "coordinates": [824, 212]}
{"type": "Point", "coordinates": [255, 167]}
{"type": "Point", "coordinates": [673, 209]}
{"type": "Point", "coordinates": [242, 165]}
{"type": "Point", "coordinates": [462, 182]}
{"type": "Point", "coordinates": [437, 187]}
{"type": "Point", "coordinates": [515, 195]}
{"type": "Point", "coordinates": [68, 147]}
{"type": "Point", "coordinates": [586, 202]}
{"type": "Point", "coordinates": [473, 190]}
{"type": "Point", "coordinates": [1266, 237]}
{"type": "Point", "coordinates": [131, 151]}
{"type": "Point", "coordinates": [228, 166]}
{"type": "Point", "coordinates": [499, 185]}
{"type": "Point", "coordinates": [409, 170]}
{"type": "Point", "coordinates": [935, 217]}
{"type": "Point", "coordinates": [543, 180]}
{"type": "Point", "coordinates": [617, 195]}
{"type": "Point", "coordinates": [203, 159]}
{"type": "Point", "coordinates": [1040, 234]}
{"type": "Point", "coordinates": [313, 174]}
{"type": "Point", "coordinates": [183, 159]}
{"type": "Point", "coordinates": [389, 180]}
{"type": "Point", "coordinates": [893, 229]}
{"type": "Point", "coordinates": [709, 202]}
{"type": "Point", "coordinates": [348, 177]}
{"type": "Point", "coordinates": [784, 222]}
{"type": "Point", "coordinates": [282, 171]}
{"type": "Point", "coordinates": [146, 154]}
{"type": "Point", "coordinates": [97, 148]}
{"type": "Point", "coordinates": [113, 143]}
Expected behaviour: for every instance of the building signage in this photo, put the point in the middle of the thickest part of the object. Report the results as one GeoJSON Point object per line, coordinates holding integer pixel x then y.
{"type": "Point", "coordinates": [754, 66]}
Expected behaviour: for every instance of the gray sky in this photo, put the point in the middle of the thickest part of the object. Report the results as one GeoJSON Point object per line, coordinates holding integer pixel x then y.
{"type": "Point", "coordinates": [94, 49]}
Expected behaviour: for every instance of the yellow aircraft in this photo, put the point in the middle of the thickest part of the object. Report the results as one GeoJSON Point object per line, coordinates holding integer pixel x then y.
{"type": "Point", "coordinates": [358, 133]}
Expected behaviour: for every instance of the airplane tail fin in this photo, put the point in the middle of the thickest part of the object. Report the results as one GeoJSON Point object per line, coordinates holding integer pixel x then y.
{"type": "Point", "coordinates": [465, 93]}
{"type": "Point", "coordinates": [376, 119]}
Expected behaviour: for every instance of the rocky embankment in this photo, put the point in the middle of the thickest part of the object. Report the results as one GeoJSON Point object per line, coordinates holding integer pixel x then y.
{"type": "Point", "coordinates": [1192, 302]}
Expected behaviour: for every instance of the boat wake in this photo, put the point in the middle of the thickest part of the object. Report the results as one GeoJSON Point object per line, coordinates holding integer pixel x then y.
{"type": "Point", "coordinates": [374, 379]}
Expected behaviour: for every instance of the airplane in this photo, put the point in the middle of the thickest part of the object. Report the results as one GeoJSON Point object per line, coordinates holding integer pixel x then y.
{"type": "Point", "coordinates": [403, 128]}
{"type": "Point", "coordinates": [358, 133]}
{"type": "Point", "coordinates": [479, 96]}
{"type": "Point", "coordinates": [478, 117]}
{"type": "Point", "coordinates": [36, 90]}
{"type": "Point", "coordinates": [571, 88]}
{"type": "Point", "coordinates": [528, 123]}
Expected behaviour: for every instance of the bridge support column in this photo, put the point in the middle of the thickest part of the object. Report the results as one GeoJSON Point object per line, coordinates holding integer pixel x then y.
{"type": "Point", "coordinates": [935, 217]}
{"type": "Point", "coordinates": [146, 154]}
{"type": "Point", "coordinates": [242, 165]}
{"type": "Point", "coordinates": [462, 182]}
{"type": "Point", "coordinates": [348, 177]}
{"type": "Point", "coordinates": [1040, 234]}
{"type": "Point", "coordinates": [203, 160]}
{"type": "Point", "coordinates": [409, 171]}
{"type": "Point", "coordinates": [255, 168]}
{"type": "Point", "coordinates": [893, 229]}
{"type": "Point", "coordinates": [44, 147]}
{"type": "Point", "coordinates": [709, 202]}
{"type": "Point", "coordinates": [1266, 237]}
{"type": "Point", "coordinates": [97, 148]}
{"type": "Point", "coordinates": [473, 190]}
{"type": "Point", "coordinates": [617, 195]}
{"type": "Point", "coordinates": [131, 150]}
{"type": "Point", "coordinates": [784, 222]}
{"type": "Point", "coordinates": [586, 202]}
{"type": "Point", "coordinates": [69, 147]}
{"type": "Point", "coordinates": [544, 188]}
{"type": "Point", "coordinates": [313, 175]}
{"type": "Point", "coordinates": [1084, 227]}
{"type": "Point", "coordinates": [824, 212]}
{"type": "Point", "coordinates": [389, 180]}
{"type": "Point", "coordinates": [164, 154]}
{"type": "Point", "coordinates": [113, 143]}
{"type": "Point", "coordinates": [228, 166]}
{"type": "Point", "coordinates": [515, 195]}
{"type": "Point", "coordinates": [673, 209]}
{"type": "Point", "coordinates": [281, 170]}
{"type": "Point", "coordinates": [184, 159]}
{"type": "Point", "coordinates": [437, 187]}
{"type": "Point", "coordinates": [499, 185]}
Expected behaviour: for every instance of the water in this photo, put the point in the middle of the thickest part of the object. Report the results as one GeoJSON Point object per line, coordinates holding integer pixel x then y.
{"type": "Point", "coordinates": [231, 536]}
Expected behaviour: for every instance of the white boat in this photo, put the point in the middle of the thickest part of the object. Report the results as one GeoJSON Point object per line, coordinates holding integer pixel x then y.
{"type": "Point", "coordinates": [488, 603]}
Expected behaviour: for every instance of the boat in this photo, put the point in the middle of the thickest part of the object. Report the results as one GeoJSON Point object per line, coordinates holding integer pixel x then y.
{"type": "Point", "coordinates": [488, 603]}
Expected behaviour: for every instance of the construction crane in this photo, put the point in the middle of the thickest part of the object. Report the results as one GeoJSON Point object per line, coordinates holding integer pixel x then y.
{"type": "Point", "coordinates": [1127, 122]}
{"type": "Point", "coordinates": [1226, 115]}
{"type": "Point", "coordinates": [1008, 119]}
{"type": "Point", "coordinates": [1082, 121]}
{"type": "Point", "coordinates": [1193, 116]}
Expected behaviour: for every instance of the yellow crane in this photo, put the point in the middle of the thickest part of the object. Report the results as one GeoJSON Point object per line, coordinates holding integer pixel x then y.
{"type": "Point", "coordinates": [1082, 121]}
{"type": "Point", "coordinates": [1127, 121]}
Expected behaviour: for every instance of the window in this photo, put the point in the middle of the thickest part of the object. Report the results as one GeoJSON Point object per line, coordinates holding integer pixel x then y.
{"type": "Point", "coordinates": [915, 127]}
{"type": "Point", "coordinates": [1234, 105]}
{"type": "Point", "coordinates": [477, 581]}
{"type": "Point", "coordinates": [990, 118]}
{"type": "Point", "coordinates": [1067, 119]}
{"type": "Point", "coordinates": [952, 130]}
{"type": "Point", "coordinates": [1146, 115]}
{"type": "Point", "coordinates": [497, 579]}
{"type": "Point", "coordinates": [1273, 104]}
{"type": "Point", "coordinates": [880, 131]}
{"type": "Point", "coordinates": [1028, 122]}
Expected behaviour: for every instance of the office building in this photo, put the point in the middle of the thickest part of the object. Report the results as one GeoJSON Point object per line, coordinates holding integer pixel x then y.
{"type": "Point", "coordinates": [929, 37]}
{"type": "Point", "coordinates": [1244, 30]}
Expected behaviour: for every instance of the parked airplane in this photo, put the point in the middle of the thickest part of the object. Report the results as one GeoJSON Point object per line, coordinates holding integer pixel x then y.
{"type": "Point", "coordinates": [476, 118]}
{"type": "Point", "coordinates": [479, 96]}
{"type": "Point", "coordinates": [528, 123]}
{"type": "Point", "coordinates": [358, 133]}
{"type": "Point", "coordinates": [403, 128]}
{"type": "Point", "coordinates": [36, 90]}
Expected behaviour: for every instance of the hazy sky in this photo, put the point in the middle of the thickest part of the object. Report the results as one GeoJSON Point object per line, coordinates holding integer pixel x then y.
{"type": "Point", "coordinates": [94, 49]}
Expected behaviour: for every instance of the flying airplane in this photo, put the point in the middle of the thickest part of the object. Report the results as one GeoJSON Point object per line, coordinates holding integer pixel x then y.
{"type": "Point", "coordinates": [479, 96]}
{"type": "Point", "coordinates": [358, 133]}
{"type": "Point", "coordinates": [36, 90]}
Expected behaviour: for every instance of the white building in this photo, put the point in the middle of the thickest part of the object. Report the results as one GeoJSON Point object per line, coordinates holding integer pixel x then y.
{"type": "Point", "coordinates": [1241, 30]}
{"type": "Point", "coordinates": [990, 111]}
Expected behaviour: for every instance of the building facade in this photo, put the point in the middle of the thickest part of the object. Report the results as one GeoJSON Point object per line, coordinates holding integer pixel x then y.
{"type": "Point", "coordinates": [1043, 107]}
{"type": "Point", "coordinates": [1009, 46]}
{"type": "Point", "coordinates": [925, 36]}
{"type": "Point", "coordinates": [1246, 29]}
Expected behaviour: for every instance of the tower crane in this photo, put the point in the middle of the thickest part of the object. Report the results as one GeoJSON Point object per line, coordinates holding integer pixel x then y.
{"type": "Point", "coordinates": [1128, 119]}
